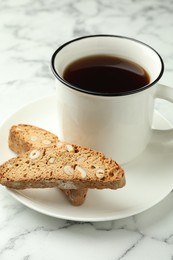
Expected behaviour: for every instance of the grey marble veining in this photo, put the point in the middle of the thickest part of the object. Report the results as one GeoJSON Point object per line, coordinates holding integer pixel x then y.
{"type": "Point", "coordinates": [30, 235]}
{"type": "Point", "coordinates": [30, 31]}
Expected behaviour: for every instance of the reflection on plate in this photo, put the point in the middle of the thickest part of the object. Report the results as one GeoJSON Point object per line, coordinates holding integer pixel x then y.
{"type": "Point", "coordinates": [149, 177]}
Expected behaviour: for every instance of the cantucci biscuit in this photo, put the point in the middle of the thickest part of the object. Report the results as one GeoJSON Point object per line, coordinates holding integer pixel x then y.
{"type": "Point", "coordinates": [62, 167]}
{"type": "Point", "coordinates": [24, 137]}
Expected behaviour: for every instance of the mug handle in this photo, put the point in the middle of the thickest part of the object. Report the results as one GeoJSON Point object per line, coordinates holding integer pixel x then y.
{"type": "Point", "coordinates": [163, 136]}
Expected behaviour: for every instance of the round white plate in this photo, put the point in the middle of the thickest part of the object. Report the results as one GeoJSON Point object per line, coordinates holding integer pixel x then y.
{"type": "Point", "coordinates": [149, 177]}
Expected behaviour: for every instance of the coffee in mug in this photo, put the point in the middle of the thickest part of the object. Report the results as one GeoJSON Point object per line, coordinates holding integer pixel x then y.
{"type": "Point", "coordinates": [106, 86]}
{"type": "Point", "coordinates": [106, 75]}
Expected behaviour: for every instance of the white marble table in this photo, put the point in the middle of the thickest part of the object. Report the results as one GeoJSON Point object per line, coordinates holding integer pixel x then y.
{"type": "Point", "coordinates": [29, 33]}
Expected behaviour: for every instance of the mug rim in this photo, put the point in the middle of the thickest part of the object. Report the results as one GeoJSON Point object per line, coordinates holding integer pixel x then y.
{"type": "Point", "coordinates": [107, 94]}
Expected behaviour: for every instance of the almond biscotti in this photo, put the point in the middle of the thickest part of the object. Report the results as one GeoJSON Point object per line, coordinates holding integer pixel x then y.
{"type": "Point", "coordinates": [76, 197]}
{"type": "Point", "coordinates": [68, 167]}
{"type": "Point", "coordinates": [24, 137]}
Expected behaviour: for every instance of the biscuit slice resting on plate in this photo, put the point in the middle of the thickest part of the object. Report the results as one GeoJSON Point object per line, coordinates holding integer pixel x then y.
{"type": "Point", "coordinates": [67, 167]}
{"type": "Point", "coordinates": [24, 137]}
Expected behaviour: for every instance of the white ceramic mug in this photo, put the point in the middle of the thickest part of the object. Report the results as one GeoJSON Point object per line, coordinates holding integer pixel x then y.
{"type": "Point", "coordinates": [118, 125]}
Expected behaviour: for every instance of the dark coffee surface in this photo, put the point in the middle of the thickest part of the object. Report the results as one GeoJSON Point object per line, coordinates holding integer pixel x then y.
{"type": "Point", "coordinates": [106, 74]}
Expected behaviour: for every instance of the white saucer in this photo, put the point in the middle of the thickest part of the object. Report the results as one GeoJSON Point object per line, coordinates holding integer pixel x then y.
{"type": "Point", "coordinates": [149, 177]}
